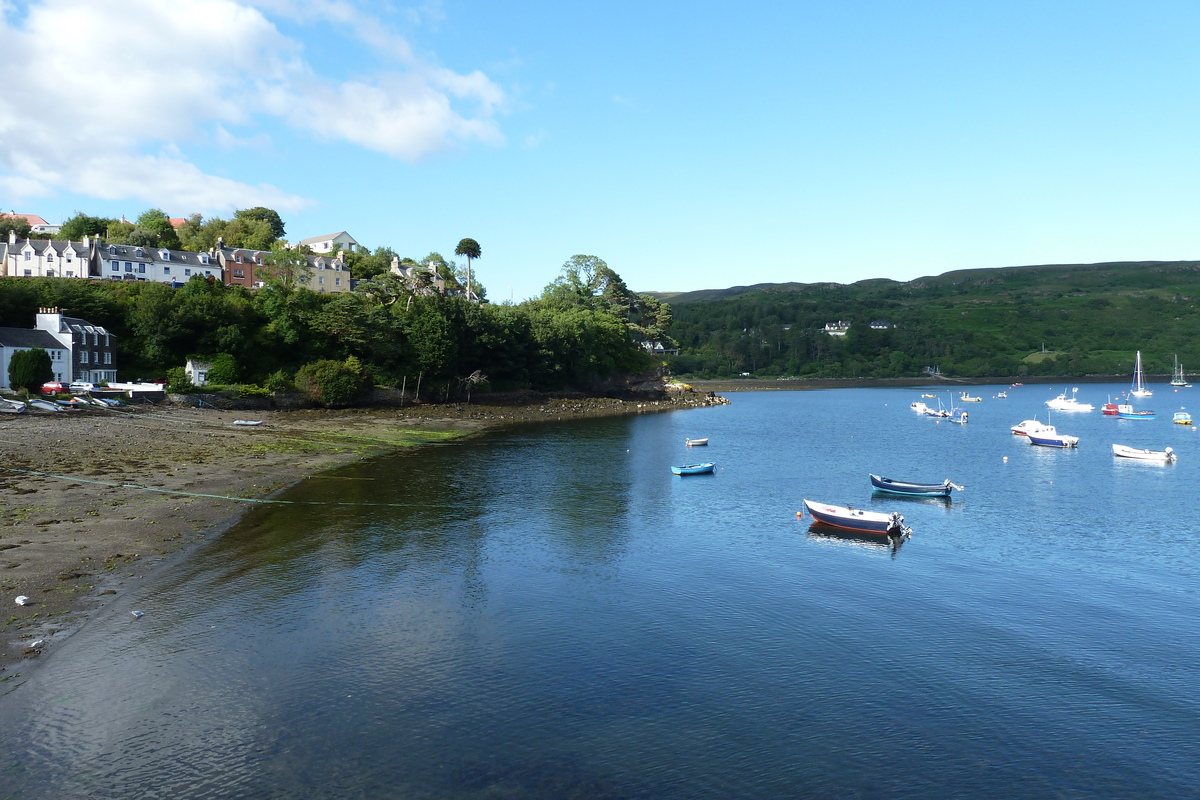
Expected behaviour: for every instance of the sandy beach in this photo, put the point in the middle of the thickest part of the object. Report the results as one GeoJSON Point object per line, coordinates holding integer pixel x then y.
{"type": "Point", "coordinates": [91, 502]}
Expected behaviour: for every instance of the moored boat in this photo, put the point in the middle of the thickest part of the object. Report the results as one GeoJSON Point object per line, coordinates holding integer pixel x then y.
{"type": "Point", "coordinates": [1139, 385]}
{"type": "Point", "coordinates": [1025, 427]}
{"type": "Point", "coordinates": [1064, 403]}
{"type": "Point", "coordinates": [967, 397]}
{"type": "Point", "coordinates": [694, 469]}
{"type": "Point", "coordinates": [1166, 456]}
{"type": "Point", "coordinates": [1109, 409]}
{"type": "Point", "coordinates": [1048, 436]}
{"type": "Point", "coordinates": [1182, 418]}
{"type": "Point", "coordinates": [1177, 379]}
{"type": "Point", "coordinates": [855, 519]}
{"type": "Point", "coordinates": [696, 442]}
{"type": "Point", "coordinates": [919, 407]}
{"type": "Point", "coordinates": [911, 489]}
{"type": "Point", "coordinates": [1126, 411]}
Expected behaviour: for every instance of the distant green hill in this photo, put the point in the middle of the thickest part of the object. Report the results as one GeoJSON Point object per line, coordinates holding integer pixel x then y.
{"type": "Point", "coordinates": [975, 322]}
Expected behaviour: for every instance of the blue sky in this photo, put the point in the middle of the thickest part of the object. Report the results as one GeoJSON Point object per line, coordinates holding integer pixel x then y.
{"type": "Point", "coordinates": [690, 145]}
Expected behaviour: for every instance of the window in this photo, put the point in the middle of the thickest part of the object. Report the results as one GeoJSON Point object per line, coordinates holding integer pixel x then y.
{"type": "Point", "coordinates": [204, 258]}
{"type": "Point", "coordinates": [49, 256]}
{"type": "Point", "coordinates": [112, 251]}
{"type": "Point", "coordinates": [116, 266]}
{"type": "Point", "coordinates": [95, 338]}
{"type": "Point", "coordinates": [95, 357]}
{"type": "Point", "coordinates": [142, 268]}
{"type": "Point", "coordinates": [28, 273]}
{"type": "Point", "coordinates": [68, 258]}
{"type": "Point", "coordinates": [83, 355]}
{"type": "Point", "coordinates": [107, 343]}
{"type": "Point", "coordinates": [187, 272]}
{"type": "Point", "coordinates": [107, 358]}
{"type": "Point", "coordinates": [238, 258]}
{"type": "Point", "coordinates": [237, 273]}
{"type": "Point", "coordinates": [165, 254]}
{"type": "Point", "coordinates": [28, 254]}
{"type": "Point", "coordinates": [70, 273]}
{"type": "Point", "coordinates": [141, 253]}
{"type": "Point", "coordinates": [128, 267]}
{"type": "Point", "coordinates": [166, 270]}
{"type": "Point", "coordinates": [321, 280]}
{"type": "Point", "coordinates": [337, 281]}
{"type": "Point", "coordinates": [49, 273]}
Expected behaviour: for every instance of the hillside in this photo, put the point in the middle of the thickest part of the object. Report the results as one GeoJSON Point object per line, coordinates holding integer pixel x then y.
{"type": "Point", "coordinates": [977, 322]}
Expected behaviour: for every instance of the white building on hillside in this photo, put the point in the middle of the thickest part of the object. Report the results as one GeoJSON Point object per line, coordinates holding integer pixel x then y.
{"type": "Point", "coordinates": [330, 242]}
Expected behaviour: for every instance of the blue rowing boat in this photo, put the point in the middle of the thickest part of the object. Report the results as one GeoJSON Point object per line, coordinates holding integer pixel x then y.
{"type": "Point", "coordinates": [910, 489]}
{"type": "Point", "coordinates": [694, 469]}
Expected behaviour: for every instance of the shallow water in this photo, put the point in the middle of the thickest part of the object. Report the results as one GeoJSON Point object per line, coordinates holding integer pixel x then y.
{"type": "Point", "coordinates": [548, 612]}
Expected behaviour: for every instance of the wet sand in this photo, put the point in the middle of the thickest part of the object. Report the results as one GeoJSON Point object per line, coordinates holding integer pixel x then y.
{"type": "Point", "coordinates": [92, 501]}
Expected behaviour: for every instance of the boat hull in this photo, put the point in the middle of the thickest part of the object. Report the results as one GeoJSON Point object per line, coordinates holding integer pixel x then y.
{"type": "Point", "coordinates": [696, 442]}
{"type": "Point", "coordinates": [908, 489]}
{"type": "Point", "coordinates": [854, 519]}
{"type": "Point", "coordinates": [1162, 456]}
{"type": "Point", "coordinates": [1053, 440]}
{"type": "Point", "coordinates": [694, 469]}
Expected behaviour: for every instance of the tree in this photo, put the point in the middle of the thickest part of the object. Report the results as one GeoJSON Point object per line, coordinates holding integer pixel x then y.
{"type": "Point", "coordinates": [156, 221]}
{"type": "Point", "coordinates": [29, 369]}
{"type": "Point", "coordinates": [82, 225]}
{"type": "Point", "coordinates": [262, 214]}
{"type": "Point", "coordinates": [19, 225]}
{"type": "Point", "coordinates": [289, 268]}
{"type": "Point", "coordinates": [469, 248]}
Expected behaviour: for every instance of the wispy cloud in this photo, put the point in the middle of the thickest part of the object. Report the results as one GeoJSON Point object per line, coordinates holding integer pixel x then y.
{"type": "Point", "coordinates": [112, 114]}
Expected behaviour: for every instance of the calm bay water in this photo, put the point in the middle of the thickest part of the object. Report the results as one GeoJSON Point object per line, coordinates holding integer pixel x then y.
{"type": "Point", "coordinates": [547, 612]}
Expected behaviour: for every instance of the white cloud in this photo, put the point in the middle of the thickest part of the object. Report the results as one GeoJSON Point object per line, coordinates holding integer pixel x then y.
{"type": "Point", "coordinates": [107, 103]}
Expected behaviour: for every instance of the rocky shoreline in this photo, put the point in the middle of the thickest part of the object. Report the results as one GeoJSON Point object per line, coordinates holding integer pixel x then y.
{"type": "Point", "coordinates": [91, 502]}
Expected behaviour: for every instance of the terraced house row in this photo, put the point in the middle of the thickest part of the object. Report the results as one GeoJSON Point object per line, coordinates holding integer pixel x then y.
{"type": "Point", "coordinates": [95, 259]}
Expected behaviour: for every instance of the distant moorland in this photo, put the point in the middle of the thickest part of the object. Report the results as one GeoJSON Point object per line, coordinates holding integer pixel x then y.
{"type": "Point", "coordinates": [1073, 319]}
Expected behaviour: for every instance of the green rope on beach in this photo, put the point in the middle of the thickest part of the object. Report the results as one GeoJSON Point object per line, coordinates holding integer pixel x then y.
{"type": "Point", "coordinates": [197, 494]}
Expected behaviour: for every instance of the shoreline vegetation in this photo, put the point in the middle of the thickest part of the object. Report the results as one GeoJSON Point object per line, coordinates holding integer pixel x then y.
{"type": "Point", "coordinates": [92, 503]}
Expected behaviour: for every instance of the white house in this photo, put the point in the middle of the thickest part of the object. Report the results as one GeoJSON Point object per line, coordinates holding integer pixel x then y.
{"type": "Point", "coordinates": [197, 371]}
{"type": "Point", "coordinates": [838, 328]}
{"type": "Point", "coordinates": [43, 258]}
{"type": "Point", "coordinates": [15, 339]}
{"type": "Point", "coordinates": [126, 262]}
{"type": "Point", "coordinates": [330, 242]}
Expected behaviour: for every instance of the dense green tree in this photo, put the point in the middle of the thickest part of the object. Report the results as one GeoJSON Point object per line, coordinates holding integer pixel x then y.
{"type": "Point", "coordinates": [333, 384]}
{"type": "Point", "coordinates": [156, 222]}
{"type": "Point", "coordinates": [82, 225]}
{"type": "Point", "coordinates": [261, 214]}
{"type": "Point", "coordinates": [18, 225]}
{"type": "Point", "coordinates": [29, 369]}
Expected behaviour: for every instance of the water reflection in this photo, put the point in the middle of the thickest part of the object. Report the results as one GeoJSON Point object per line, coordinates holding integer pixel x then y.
{"type": "Point", "coordinates": [821, 533]}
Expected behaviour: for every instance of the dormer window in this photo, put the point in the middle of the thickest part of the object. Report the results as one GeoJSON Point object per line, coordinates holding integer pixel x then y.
{"type": "Point", "coordinates": [204, 258]}
{"type": "Point", "coordinates": [141, 253]}
{"type": "Point", "coordinates": [238, 258]}
{"type": "Point", "coordinates": [165, 255]}
{"type": "Point", "coordinates": [112, 251]}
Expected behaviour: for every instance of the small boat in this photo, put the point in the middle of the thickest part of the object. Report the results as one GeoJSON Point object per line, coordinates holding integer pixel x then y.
{"type": "Point", "coordinates": [909, 489]}
{"type": "Point", "coordinates": [854, 519]}
{"type": "Point", "coordinates": [11, 406]}
{"type": "Point", "coordinates": [1139, 386]}
{"type": "Point", "coordinates": [249, 423]}
{"type": "Point", "coordinates": [1182, 418]}
{"type": "Point", "coordinates": [958, 416]}
{"type": "Point", "coordinates": [1166, 456]}
{"type": "Point", "coordinates": [1026, 427]}
{"type": "Point", "coordinates": [44, 405]}
{"type": "Point", "coordinates": [919, 407]}
{"type": "Point", "coordinates": [929, 395]}
{"type": "Point", "coordinates": [1125, 411]}
{"type": "Point", "coordinates": [1178, 380]}
{"type": "Point", "coordinates": [1002, 394]}
{"type": "Point", "coordinates": [966, 397]}
{"type": "Point", "coordinates": [1049, 437]}
{"type": "Point", "coordinates": [1018, 383]}
{"type": "Point", "coordinates": [694, 469]}
{"type": "Point", "coordinates": [1109, 409]}
{"type": "Point", "coordinates": [696, 442]}
{"type": "Point", "coordinates": [1064, 403]}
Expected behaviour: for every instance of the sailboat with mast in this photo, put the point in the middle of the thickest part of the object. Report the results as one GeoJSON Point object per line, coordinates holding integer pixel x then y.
{"type": "Point", "coordinates": [1139, 382]}
{"type": "Point", "coordinates": [1178, 379]}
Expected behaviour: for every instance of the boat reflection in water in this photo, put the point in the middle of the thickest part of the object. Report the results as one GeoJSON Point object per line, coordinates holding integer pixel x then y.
{"type": "Point", "coordinates": [822, 533]}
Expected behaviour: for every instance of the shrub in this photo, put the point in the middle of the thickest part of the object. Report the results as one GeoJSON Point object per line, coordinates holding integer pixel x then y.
{"type": "Point", "coordinates": [29, 369]}
{"type": "Point", "coordinates": [177, 381]}
{"type": "Point", "coordinates": [333, 384]}
{"type": "Point", "coordinates": [279, 381]}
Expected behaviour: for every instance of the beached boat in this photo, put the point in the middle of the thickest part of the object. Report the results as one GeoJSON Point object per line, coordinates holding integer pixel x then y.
{"type": "Point", "coordinates": [854, 519]}
{"type": "Point", "coordinates": [11, 406]}
{"type": "Point", "coordinates": [1177, 379]}
{"type": "Point", "coordinates": [44, 405]}
{"type": "Point", "coordinates": [1025, 427]}
{"type": "Point", "coordinates": [1125, 411]}
{"type": "Point", "coordinates": [910, 489]}
{"type": "Point", "coordinates": [1064, 403]}
{"type": "Point", "coordinates": [1139, 385]}
{"type": "Point", "coordinates": [696, 442]}
{"type": "Point", "coordinates": [249, 423]}
{"type": "Point", "coordinates": [967, 397]}
{"type": "Point", "coordinates": [1182, 418]}
{"type": "Point", "coordinates": [1166, 456]}
{"type": "Point", "coordinates": [694, 469]}
{"type": "Point", "coordinates": [1048, 436]}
